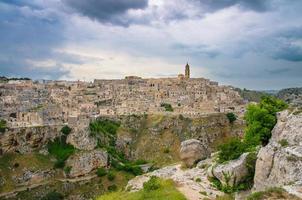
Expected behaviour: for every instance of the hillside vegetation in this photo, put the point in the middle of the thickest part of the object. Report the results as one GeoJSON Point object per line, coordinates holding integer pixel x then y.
{"type": "Point", "coordinates": [155, 189]}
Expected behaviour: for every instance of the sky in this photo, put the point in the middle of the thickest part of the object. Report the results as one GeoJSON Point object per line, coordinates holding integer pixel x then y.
{"type": "Point", "coordinates": [254, 44]}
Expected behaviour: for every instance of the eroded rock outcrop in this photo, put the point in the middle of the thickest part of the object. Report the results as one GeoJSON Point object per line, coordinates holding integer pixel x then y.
{"type": "Point", "coordinates": [84, 162]}
{"type": "Point", "coordinates": [231, 173]}
{"type": "Point", "coordinates": [191, 151]}
{"type": "Point", "coordinates": [279, 164]}
{"type": "Point", "coordinates": [82, 140]}
{"type": "Point", "coordinates": [26, 140]}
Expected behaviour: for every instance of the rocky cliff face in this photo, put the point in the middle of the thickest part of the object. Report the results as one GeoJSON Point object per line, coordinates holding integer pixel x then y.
{"type": "Point", "coordinates": [26, 140]}
{"type": "Point", "coordinates": [279, 164]}
{"type": "Point", "coordinates": [158, 138]}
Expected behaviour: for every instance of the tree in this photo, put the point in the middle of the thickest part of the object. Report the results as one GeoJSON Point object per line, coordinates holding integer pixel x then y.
{"type": "Point", "coordinates": [231, 117]}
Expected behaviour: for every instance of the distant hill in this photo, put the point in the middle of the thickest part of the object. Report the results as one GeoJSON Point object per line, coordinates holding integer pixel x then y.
{"type": "Point", "coordinates": [291, 95]}
{"type": "Point", "coordinates": [6, 79]}
{"type": "Point", "coordinates": [252, 95]}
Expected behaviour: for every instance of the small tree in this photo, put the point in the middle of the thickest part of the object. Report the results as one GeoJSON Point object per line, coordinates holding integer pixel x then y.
{"type": "Point", "coordinates": [231, 117]}
{"type": "Point", "coordinates": [66, 130]}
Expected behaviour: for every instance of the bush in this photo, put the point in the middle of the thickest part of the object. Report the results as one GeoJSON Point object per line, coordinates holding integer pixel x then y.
{"type": "Point", "coordinates": [231, 117]}
{"type": "Point", "coordinates": [67, 169]}
{"type": "Point", "coordinates": [167, 107]}
{"type": "Point", "coordinates": [53, 196]}
{"type": "Point", "coordinates": [66, 130]}
{"type": "Point", "coordinates": [103, 126]}
{"type": "Point", "coordinates": [2, 125]}
{"type": "Point", "coordinates": [101, 172]}
{"type": "Point", "coordinates": [59, 164]}
{"type": "Point", "coordinates": [166, 150]}
{"type": "Point", "coordinates": [60, 150]}
{"type": "Point", "coordinates": [112, 188]}
{"type": "Point", "coordinates": [261, 119]}
{"type": "Point", "coordinates": [231, 150]}
{"type": "Point", "coordinates": [110, 176]}
{"type": "Point", "coordinates": [152, 184]}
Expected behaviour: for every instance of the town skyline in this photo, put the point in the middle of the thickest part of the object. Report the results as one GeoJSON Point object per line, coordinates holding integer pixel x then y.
{"type": "Point", "coordinates": [247, 44]}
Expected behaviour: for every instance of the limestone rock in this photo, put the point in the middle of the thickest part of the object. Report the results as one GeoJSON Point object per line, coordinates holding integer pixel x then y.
{"type": "Point", "coordinates": [279, 164]}
{"type": "Point", "coordinates": [81, 140]}
{"type": "Point", "coordinates": [193, 183]}
{"type": "Point", "coordinates": [191, 151]}
{"type": "Point", "coordinates": [29, 139]}
{"type": "Point", "coordinates": [84, 162]}
{"type": "Point", "coordinates": [232, 172]}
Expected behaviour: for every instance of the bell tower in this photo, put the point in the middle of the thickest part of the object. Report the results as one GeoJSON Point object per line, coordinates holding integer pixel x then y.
{"type": "Point", "coordinates": [187, 71]}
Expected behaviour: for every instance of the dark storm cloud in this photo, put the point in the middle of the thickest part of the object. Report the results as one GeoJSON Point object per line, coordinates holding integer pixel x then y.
{"type": "Point", "coordinates": [256, 5]}
{"type": "Point", "coordinates": [108, 11]}
{"type": "Point", "coordinates": [287, 45]}
{"type": "Point", "coordinates": [290, 53]}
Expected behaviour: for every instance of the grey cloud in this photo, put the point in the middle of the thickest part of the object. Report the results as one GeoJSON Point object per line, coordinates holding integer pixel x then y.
{"type": "Point", "coordinates": [290, 53]}
{"type": "Point", "coordinates": [28, 38]}
{"type": "Point", "coordinates": [278, 71]}
{"type": "Point", "coordinates": [107, 11]}
{"type": "Point", "coordinates": [256, 5]}
{"type": "Point", "coordinates": [196, 50]}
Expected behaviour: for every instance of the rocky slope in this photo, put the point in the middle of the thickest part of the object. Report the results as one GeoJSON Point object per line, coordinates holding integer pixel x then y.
{"type": "Point", "coordinates": [158, 138]}
{"type": "Point", "coordinates": [279, 164]}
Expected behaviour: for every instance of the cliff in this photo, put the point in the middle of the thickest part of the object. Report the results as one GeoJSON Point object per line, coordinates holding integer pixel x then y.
{"type": "Point", "coordinates": [279, 164]}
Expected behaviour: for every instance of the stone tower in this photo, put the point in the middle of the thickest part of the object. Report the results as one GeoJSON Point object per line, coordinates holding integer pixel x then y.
{"type": "Point", "coordinates": [187, 72]}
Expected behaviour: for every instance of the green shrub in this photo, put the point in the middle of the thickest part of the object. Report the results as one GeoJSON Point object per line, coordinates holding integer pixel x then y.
{"type": "Point", "coordinates": [2, 125]}
{"type": "Point", "coordinates": [231, 150]}
{"type": "Point", "coordinates": [132, 168]}
{"type": "Point", "coordinates": [166, 150]}
{"type": "Point", "coordinates": [261, 119]}
{"type": "Point", "coordinates": [112, 188]}
{"type": "Point", "coordinates": [231, 117]}
{"type": "Point", "coordinates": [53, 196]}
{"type": "Point", "coordinates": [168, 107]}
{"type": "Point", "coordinates": [152, 184]}
{"type": "Point", "coordinates": [67, 169]}
{"type": "Point", "coordinates": [59, 164]}
{"type": "Point", "coordinates": [101, 172]}
{"type": "Point", "coordinates": [60, 150]}
{"type": "Point", "coordinates": [66, 130]}
{"type": "Point", "coordinates": [283, 143]}
{"type": "Point", "coordinates": [111, 176]}
{"type": "Point", "coordinates": [103, 126]}
{"type": "Point", "coordinates": [198, 180]}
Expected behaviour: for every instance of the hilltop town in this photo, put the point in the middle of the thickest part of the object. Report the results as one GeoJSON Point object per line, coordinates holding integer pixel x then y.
{"type": "Point", "coordinates": [26, 103]}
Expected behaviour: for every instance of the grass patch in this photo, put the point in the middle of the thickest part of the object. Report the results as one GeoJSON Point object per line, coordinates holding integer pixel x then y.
{"type": "Point", "coordinates": [283, 143]}
{"type": "Point", "coordinates": [272, 193]}
{"type": "Point", "coordinates": [165, 191]}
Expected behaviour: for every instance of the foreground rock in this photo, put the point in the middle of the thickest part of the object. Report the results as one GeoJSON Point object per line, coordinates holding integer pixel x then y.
{"type": "Point", "coordinates": [193, 183]}
{"type": "Point", "coordinates": [279, 164]}
{"type": "Point", "coordinates": [84, 162]}
{"type": "Point", "coordinates": [191, 151]}
{"type": "Point", "coordinates": [231, 173]}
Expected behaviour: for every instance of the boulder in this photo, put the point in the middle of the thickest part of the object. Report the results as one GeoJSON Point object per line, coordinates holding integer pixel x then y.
{"type": "Point", "coordinates": [279, 164]}
{"type": "Point", "coordinates": [82, 140]}
{"type": "Point", "coordinates": [84, 162]}
{"type": "Point", "coordinates": [231, 173]}
{"type": "Point", "coordinates": [192, 151]}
